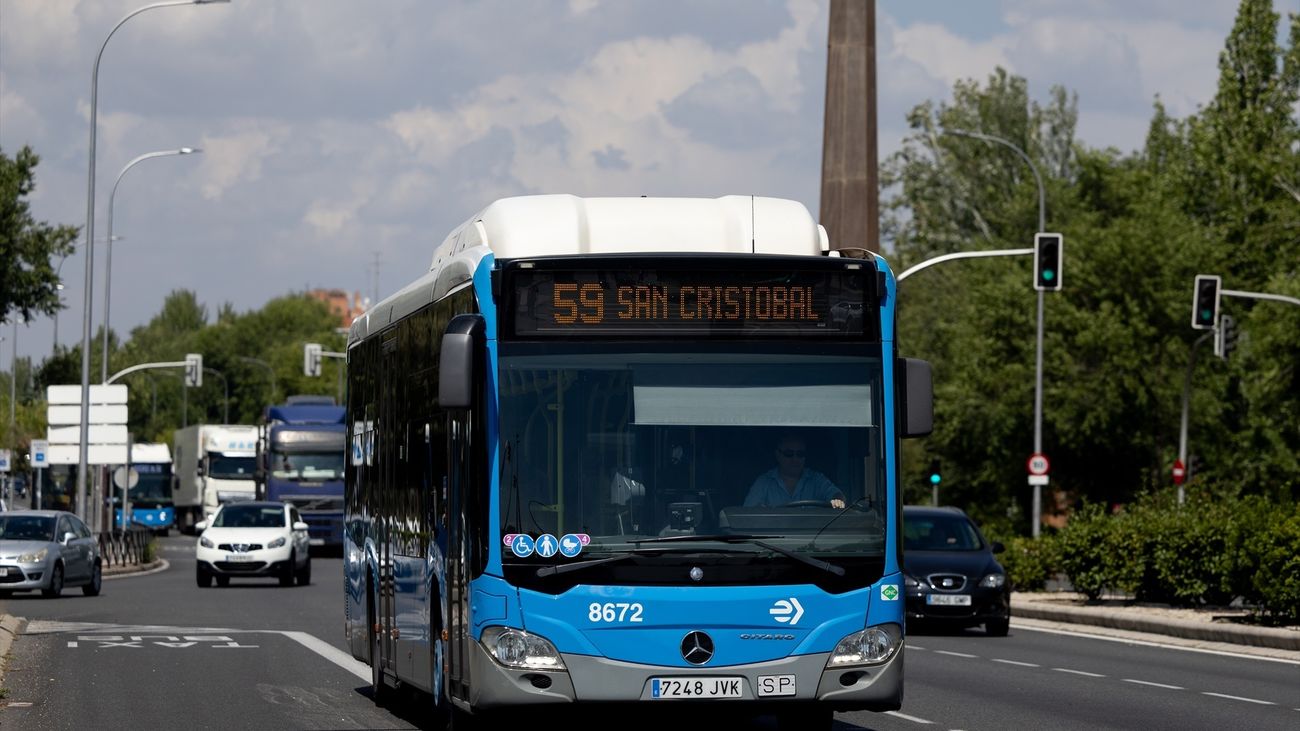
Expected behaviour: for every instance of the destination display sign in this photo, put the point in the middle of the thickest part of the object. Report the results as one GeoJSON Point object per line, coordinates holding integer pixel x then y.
{"type": "Point", "coordinates": [611, 302]}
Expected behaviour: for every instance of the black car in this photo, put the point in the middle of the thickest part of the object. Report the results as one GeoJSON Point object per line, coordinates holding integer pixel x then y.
{"type": "Point", "coordinates": [950, 573]}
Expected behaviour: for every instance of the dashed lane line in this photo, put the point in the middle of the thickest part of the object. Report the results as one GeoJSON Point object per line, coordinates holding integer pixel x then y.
{"type": "Point", "coordinates": [906, 717]}
{"type": "Point", "coordinates": [1239, 698]}
{"type": "Point", "coordinates": [1154, 685]}
{"type": "Point", "coordinates": [1017, 662]}
{"type": "Point", "coordinates": [954, 654]}
{"type": "Point", "coordinates": [1079, 672]}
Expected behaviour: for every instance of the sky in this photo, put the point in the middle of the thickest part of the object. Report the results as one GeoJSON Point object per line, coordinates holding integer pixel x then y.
{"type": "Point", "coordinates": [343, 139]}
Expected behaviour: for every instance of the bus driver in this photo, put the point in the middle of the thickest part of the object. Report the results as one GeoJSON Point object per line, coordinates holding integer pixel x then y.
{"type": "Point", "coordinates": [790, 481]}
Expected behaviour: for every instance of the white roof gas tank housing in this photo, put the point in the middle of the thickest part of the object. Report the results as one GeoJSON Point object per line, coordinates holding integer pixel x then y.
{"type": "Point", "coordinates": [559, 225]}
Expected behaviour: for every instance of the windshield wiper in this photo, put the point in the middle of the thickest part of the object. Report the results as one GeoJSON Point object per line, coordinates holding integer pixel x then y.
{"type": "Point", "coordinates": [755, 540]}
{"type": "Point", "coordinates": [565, 568]}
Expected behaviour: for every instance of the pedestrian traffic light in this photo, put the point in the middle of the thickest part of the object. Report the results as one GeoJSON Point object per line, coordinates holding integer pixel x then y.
{"type": "Point", "coordinates": [193, 370]}
{"type": "Point", "coordinates": [1047, 261]}
{"type": "Point", "coordinates": [1225, 340]}
{"type": "Point", "coordinates": [1205, 301]}
{"type": "Point", "coordinates": [935, 477]}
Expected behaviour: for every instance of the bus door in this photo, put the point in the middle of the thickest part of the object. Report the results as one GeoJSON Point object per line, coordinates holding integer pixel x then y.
{"type": "Point", "coordinates": [385, 615]}
{"type": "Point", "coordinates": [458, 554]}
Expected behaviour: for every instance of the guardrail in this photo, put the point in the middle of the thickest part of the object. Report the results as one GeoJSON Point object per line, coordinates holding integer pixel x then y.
{"type": "Point", "coordinates": [125, 548]}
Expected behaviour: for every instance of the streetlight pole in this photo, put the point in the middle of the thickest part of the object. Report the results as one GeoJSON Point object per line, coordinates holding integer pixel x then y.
{"type": "Point", "coordinates": [90, 249]}
{"type": "Point", "coordinates": [108, 250]}
{"type": "Point", "coordinates": [269, 369]}
{"type": "Point", "coordinates": [225, 409]}
{"type": "Point", "coordinates": [1038, 358]}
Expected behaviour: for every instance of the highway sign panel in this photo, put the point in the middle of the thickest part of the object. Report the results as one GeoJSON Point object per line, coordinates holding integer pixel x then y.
{"type": "Point", "coordinates": [1038, 464]}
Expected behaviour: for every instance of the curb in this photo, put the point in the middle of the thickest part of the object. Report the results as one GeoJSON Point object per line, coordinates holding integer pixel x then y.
{"type": "Point", "coordinates": [10, 627]}
{"type": "Point", "coordinates": [118, 572]}
{"type": "Point", "coordinates": [1270, 637]}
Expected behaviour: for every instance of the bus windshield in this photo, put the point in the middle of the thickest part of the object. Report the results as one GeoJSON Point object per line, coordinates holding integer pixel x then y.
{"type": "Point", "coordinates": [154, 488]}
{"type": "Point", "coordinates": [307, 466]}
{"type": "Point", "coordinates": [617, 444]}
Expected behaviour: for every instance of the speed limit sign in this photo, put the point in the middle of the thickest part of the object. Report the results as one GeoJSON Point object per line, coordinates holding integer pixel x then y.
{"type": "Point", "coordinates": [1038, 464]}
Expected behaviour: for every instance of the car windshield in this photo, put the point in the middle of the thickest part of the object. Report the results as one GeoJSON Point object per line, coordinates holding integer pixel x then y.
{"type": "Point", "coordinates": [26, 528]}
{"type": "Point", "coordinates": [939, 533]}
{"type": "Point", "coordinates": [250, 516]}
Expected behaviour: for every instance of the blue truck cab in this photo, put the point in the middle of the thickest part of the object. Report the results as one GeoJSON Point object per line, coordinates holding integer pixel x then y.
{"type": "Point", "coordinates": [300, 459]}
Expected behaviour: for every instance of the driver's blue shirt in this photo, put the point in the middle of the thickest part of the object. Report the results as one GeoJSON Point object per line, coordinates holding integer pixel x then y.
{"type": "Point", "coordinates": [769, 489]}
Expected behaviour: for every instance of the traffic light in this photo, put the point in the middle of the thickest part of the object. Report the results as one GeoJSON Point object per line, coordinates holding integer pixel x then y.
{"type": "Point", "coordinates": [1225, 340]}
{"type": "Point", "coordinates": [1205, 301]}
{"type": "Point", "coordinates": [311, 359]}
{"type": "Point", "coordinates": [935, 477]}
{"type": "Point", "coordinates": [193, 370]}
{"type": "Point", "coordinates": [1047, 261]}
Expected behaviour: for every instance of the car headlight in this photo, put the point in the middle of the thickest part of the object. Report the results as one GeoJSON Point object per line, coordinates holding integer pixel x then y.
{"type": "Point", "coordinates": [515, 648]}
{"type": "Point", "coordinates": [34, 557]}
{"type": "Point", "coordinates": [993, 581]}
{"type": "Point", "coordinates": [871, 646]}
{"type": "Point", "coordinates": [203, 541]}
{"type": "Point", "coordinates": [911, 583]}
{"type": "Point", "coordinates": [276, 543]}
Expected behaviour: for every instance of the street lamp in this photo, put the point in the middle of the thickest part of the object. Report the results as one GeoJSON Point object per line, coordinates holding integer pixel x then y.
{"type": "Point", "coordinates": [1038, 367]}
{"type": "Point", "coordinates": [108, 251]}
{"type": "Point", "coordinates": [90, 248]}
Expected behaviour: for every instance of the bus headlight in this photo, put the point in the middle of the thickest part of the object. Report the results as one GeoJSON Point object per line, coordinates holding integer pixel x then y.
{"type": "Point", "coordinates": [871, 646]}
{"type": "Point", "coordinates": [515, 648]}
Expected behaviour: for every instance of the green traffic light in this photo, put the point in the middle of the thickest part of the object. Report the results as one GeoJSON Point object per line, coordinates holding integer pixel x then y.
{"type": "Point", "coordinates": [1049, 275]}
{"type": "Point", "coordinates": [934, 479]}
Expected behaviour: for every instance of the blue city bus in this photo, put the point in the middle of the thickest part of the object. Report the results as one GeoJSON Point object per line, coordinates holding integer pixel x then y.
{"type": "Point", "coordinates": [555, 436]}
{"type": "Point", "coordinates": [301, 448]}
{"type": "Point", "coordinates": [150, 499]}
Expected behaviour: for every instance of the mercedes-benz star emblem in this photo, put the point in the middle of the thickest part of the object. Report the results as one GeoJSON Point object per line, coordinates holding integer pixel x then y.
{"type": "Point", "coordinates": [697, 648]}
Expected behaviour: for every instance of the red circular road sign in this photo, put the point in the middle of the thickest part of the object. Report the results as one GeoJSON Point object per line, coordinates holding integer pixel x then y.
{"type": "Point", "coordinates": [1180, 472]}
{"type": "Point", "coordinates": [1038, 464]}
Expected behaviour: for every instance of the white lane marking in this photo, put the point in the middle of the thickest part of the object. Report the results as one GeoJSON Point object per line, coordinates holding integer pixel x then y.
{"type": "Point", "coordinates": [954, 654]}
{"type": "Point", "coordinates": [331, 653]}
{"type": "Point", "coordinates": [311, 642]}
{"type": "Point", "coordinates": [1239, 698]}
{"type": "Point", "coordinates": [1154, 685]}
{"type": "Point", "coordinates": [1148, 643]}
{"type": "Point", "coordinates": [915, 647]}
{"type": "Point", "coordinates": [1017, 662]}
{"type": "Point", "coordinates": [1079, 672]}
{"type": "Point", "coordinates": [906, 717]}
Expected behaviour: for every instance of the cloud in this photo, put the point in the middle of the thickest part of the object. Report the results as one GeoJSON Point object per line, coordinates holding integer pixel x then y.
{"type": "Point", "coordinates": [238, 157]}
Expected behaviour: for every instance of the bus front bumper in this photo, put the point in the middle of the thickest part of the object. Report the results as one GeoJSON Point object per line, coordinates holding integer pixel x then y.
{"type": "Point", "coordinates": [590, 679]}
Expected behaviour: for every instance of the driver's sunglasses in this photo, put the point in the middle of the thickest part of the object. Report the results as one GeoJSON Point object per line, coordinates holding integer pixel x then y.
{"type": "Point", "coordinates": [792, 453]}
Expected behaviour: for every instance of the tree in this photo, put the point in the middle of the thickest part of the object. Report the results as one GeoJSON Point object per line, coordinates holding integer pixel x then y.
{"type": "Point", "coordinates": [28, 283]}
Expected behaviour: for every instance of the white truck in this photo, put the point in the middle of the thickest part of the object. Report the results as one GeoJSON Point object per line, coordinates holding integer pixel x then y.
{"type": "Point", "coordinates": [214, 464]}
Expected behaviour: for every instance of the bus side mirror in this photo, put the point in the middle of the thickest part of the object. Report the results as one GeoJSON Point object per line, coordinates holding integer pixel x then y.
{"type": "Point", "coordinates": [917, 391]}
{"type": "Point", "coordinates": [456, 372]}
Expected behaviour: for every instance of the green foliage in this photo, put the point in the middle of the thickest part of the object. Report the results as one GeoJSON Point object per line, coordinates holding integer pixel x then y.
{"type": "Point", "coordinates": [28, 281]}
{"type": "Point", "coordinates": [1217, 192]}
{"type": "Point", "coordinates": [1276, 581]}
{"type": "Point", "coordinates": [1031, 563]}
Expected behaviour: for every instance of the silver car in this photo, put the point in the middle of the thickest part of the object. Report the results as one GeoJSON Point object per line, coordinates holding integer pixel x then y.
{"type": "Point", "coordinates": [48, 550]}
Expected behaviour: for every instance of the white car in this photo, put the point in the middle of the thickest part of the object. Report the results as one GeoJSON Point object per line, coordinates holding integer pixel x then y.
{"type": "Point", "coordinates": [253, 539]}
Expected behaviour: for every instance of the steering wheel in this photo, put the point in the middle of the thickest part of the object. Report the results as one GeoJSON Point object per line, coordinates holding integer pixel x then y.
{"type": "Point", "coordinates": [808, 504]}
